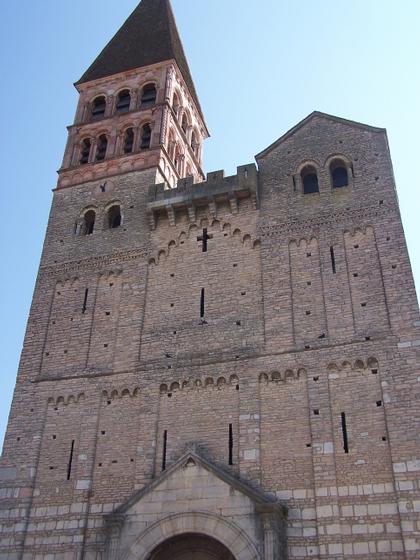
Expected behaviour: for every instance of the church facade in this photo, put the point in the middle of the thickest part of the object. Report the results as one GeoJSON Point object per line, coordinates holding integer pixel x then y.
{"type": "Point", "coordinates": [214, 368]}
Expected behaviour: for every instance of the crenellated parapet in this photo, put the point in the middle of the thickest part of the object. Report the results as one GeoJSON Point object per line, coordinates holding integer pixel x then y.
{"type": "Point", "coordinates": [217, 189]}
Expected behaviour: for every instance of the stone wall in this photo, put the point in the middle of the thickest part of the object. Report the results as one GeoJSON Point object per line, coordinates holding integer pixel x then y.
{"type": "Point", "coordinates": [309, 313]}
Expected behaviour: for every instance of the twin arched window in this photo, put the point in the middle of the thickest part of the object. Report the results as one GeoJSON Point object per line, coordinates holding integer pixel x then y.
{"type": "Point", "coordinates": [338, 172]}
{"type": "Point", "coordinates": [113, 220]}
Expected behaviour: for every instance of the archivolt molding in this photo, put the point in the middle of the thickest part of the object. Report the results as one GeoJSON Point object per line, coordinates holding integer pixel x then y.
{"type": "Point", "coordinates": [217, 527]}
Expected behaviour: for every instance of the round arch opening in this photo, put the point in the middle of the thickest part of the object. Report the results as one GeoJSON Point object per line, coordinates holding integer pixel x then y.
{"type": "Point", "coordinates": [191, 546]}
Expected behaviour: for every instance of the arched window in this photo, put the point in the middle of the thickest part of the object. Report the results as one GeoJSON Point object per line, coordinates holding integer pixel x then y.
{"type": "Point", "coordinates": [146, 136]}
{"type": "Point", "coordinates": [128, 141]}
{"type": "Point", "coordinates": [148, 95]}
{"type": "Point", "coordinates": [123, 101]}
{"type": "Point", "coordinates": [184, 123]}
{"type": "Point", "coordinates": [194, 142]}
{"type": "Point", "coordinates": [178, 161]}
{"type": "Point", "coordinates": [88, 222]}
{"type": "Point", "coordinates": [339, 174]}
{"type": "Point", "coordinates": [175, 103]}
{"type": "Point", "coordinates": [85, 151]}
{"type": "Point", "coordinates": [101, 147]}
{"type": "Point", "coordinates": [309, 180]}
{"type": "Point", "coordinates": [114, 217]}
{"type": "Point", "coordinates": [98, 108]}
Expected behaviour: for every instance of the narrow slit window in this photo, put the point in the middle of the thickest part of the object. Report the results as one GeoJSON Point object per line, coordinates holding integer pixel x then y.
{"type": "Point", "coordinates": [70, 463]}
{"type": "Point", "coordinates": [230, 444]}
{"type": "Point", "coordinates": [332, 259]}
{"type": "Point", "coordinates": [344, 432]}
{"type": "Point", "coordinates": [85, 301]}
{"type": "Point", "coordinates": [165, 442]}
{"type": "Point", "coordinates": [202, 303]}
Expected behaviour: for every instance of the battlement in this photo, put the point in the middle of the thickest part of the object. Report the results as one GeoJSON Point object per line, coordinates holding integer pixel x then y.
{"type": "Point", "coordinates": [217, 188]}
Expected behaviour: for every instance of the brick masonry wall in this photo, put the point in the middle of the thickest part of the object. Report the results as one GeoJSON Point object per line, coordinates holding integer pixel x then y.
{"type": "Point", "coordinates": [97, 387]}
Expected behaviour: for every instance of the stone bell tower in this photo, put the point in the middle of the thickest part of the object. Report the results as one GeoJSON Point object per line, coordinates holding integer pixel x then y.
{"type": "Point", "coordinates": [138, 108]}
{"type": "Point", "coordinates": [214, 368]}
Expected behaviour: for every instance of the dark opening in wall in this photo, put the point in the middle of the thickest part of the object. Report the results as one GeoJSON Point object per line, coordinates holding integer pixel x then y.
{"type": "Point", "coordinates": [70, 463]}
{"type": "Point", "coordinates": [146, 137]}
{"type": "Point", "coordinates": [101, 147]}
{"type": "Point", "coordinates": [98, 108]}
{"type": "Point", "coordinates": [123, 101]}
{"type": "Point", "coordinates": [165, 442]}
{"type": "Point", "coordinates": [309, 180]}
{"type": "Point", "coordinates": [114, 216]}
{"type": "Point", "coordinates": [148, 96]}
{"type": "Point", "coordinates": [202, 304]}
{"type": "Point", "coordinates": [128, 141]}
{"type": "Point", "coordinates": [84, 306]}
{"type": "Point", "coordinates": [344, 432]}
{"type": "Point", "coordinates": [88, 222]}
{"type": "Point", "coordinates": [85, 151]}
{"type": "Point", "coordinates": [332, 255]}
{"type": "Point", "coordinates": [230, 444]}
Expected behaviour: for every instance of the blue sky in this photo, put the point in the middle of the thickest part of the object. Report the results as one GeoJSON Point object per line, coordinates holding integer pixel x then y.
{"type": "Point", "coordinates": [259, 68]}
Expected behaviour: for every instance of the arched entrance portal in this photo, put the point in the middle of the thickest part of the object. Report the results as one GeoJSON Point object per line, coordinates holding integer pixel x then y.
{"type": "Point", "coordinates": [191, 546]}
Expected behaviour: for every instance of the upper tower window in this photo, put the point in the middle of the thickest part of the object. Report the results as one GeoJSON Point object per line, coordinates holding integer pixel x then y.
{"type": "Point", "coordinates": [98, 108]}
{"type": "Point", "coordinates": [146, 136]}
{"type": "Point", "coordinates": [123, 101]}
{"type": "Point", "coordinates": [114, 216]}
{"type": "Point", "coordinates": [101, 147]}
{"type": "Point", "coordinates": [88, 222]}
{"type": "Point", "coordinates": [309, 180]}
{"type": "Point", "coordinates": [184, 123]}
{"type": "Point", "coordinates": [176, 104]}
{"type": "Point", "coordinates": [128, 141]}
{"type": "Point", "coordinates": [85, 151]}
{"type": "Point", "coordinates": [194, 142]}
{"type": "Point", "coordinates": [148, 95]}
{"type": "Point", "coordinates": [339, 174]}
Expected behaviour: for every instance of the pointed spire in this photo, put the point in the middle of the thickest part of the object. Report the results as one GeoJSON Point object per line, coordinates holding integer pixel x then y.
{"type": "Point", "coordinates": [148, 36]}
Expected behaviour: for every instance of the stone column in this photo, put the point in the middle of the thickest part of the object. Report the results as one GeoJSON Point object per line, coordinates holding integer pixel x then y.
{"type": "Point", "coordinates": [273, 524]}
{"type": "Point", "coordinates": [113, 527]}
